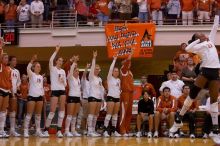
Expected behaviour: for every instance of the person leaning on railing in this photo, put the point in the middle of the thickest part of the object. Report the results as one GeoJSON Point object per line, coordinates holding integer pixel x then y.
{"type": "Point", "coordinates": [10, 13]}
{"type": "Point", "coordinates": [125, 9]}
{"type": "Point", "coordinates": [156, 11]}
{"type": "Point", "coordinates": [204, 10]}
{"type": "Point", "coordinates": [103, 10]}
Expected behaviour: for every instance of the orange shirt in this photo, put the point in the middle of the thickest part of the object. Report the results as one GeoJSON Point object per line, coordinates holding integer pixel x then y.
{"type": "Point", "coordinates": [24, 90]}
{"type": "Point", "coordinates": [5, 77]}
{"type": "Point", "coordinates": [12, 13]}
{"type": "Point", "coordinates": [169, 103]}
{"type": "Point", "coordinates": [218, 3]}
{"type": "Point", "coordinates": [155, 4]}
{"type": "Point", "coordinates": [149, 88]}
{"type": "Point", "coordinates": [181, 100]}
{"type": "Point", "coordinates": [2, 8]}
{"type": "Point", "coordinates": [47, 92]}
{"type": "Point", "coordinates": [102, 5]}
{"type": "Point", "coordinates": [188, 5]}
{"type": "Point", "coordinates": [126, 77]}
{"type": "Point", "coordinates": [204, 5]}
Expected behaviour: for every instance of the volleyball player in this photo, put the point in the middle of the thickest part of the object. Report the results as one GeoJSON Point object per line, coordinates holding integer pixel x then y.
{"type": "Point", "coordinates": [96, 93]}
{"type": "Point", "coordinates": [58, 94]}
{"type": "Point", "coordinates": [5, 88]}
{"type": "Point", "coordinates": [73, 100]}
{"type": "Point", "coordinates": [204, 47]}
{"type": "Point", "coordinates": [113, 99]}
{"type": "Point", "coordinates": [35, 97]}
{"type": "Point", "coordinates": [85, 95]}
{"type": "Point", "coordinates": [16, 82]}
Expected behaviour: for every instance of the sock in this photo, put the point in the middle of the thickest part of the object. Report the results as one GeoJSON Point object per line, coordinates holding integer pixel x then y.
{"type": "Point", "coordinates": [27, 121]}
{"type": "Point", "coordinates": [89, 122]}
{"type": "Point", "coordinates": [214, 115]}
{"type": "Point", "coordinates": [73, 124]}
{"type": "Point", "coordinates": [2, 121]}
{"type": "Point", "coordinates": [37, 122]}
{"type": "Point", "coordinates": [187, 103]}
{"type": "Point", "coordinates": [61, 115]}
{"type": "Point", "coordinates": [49, 120]}
{"type": "Point", "coordinates": [114, 121]}
{"type": "Point", "coordinates": [94, 122]}
{"type": "Point", "coordinates": [107, 119]}
{"type": "Point", "coordinates": [12, 121]}
{"type": "Point", "coordinates": [79, 118]}
{"type": "Point", "coordinates": [67, 123]}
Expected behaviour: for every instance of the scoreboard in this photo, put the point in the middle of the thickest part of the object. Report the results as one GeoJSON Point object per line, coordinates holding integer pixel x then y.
{"type": "Point", "coordinates": [10, 36]}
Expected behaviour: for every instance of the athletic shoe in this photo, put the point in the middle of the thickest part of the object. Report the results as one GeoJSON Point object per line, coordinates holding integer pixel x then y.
{"type": "Point", "coordinates": [92, 134]}
{"type": "Point", "coordinates": [205, 136]}
{"type": "Point", "coordinates": [26, 135]}
{"type": "Point", "coordinates": [211, 134]}
{"type": "Point", "coordinates": [156, 134]}
{"type": "Point", "coordinates": [175, 127]}
{"type": "Point", "coordinates": [40, 134]}
{"type": "Point", "coordinates": [14, 134]}
{"type": "Point", "coordinates": [76, 134]}
{"type": "Point", "coordinates": [216, 139]}
{"type": "Point", "coordinates": [59, 134]}
{"type": "Point", "coordinates": [149, 134]}
{"type": "Point", "coordinates": [175, 135]}
{"type": "Point", "coordinates": [105, 134]}
{"type": "Point", "coordinates": [3, 134]}
{"type": "Point", "coordinates": [138, 134]}
{"type": "Point", "coordinates": [99, 135]}
{"type": "Point", "coordinates": [68, 134]}
{"type": "Point", "coordinates": [116, 134]}
{"type": "Point", "coordinates": [125, 135]}
{"type": "Point", "coordinates": [46, 133]}
{"type": "Point", "coordinates": [84, 132]}
{"type": "Point", "coordinates": [170, 135]}
{"type": "Point", "coordinates": [192, 136]}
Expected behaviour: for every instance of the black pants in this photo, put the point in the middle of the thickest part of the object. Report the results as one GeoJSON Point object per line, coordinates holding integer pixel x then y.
{"type": "Point", "coordinates": [172, 19]}
{"type": "Point", "coordinates": [190, 117]}
{"type": "Point", "coordinates": [207, 127]}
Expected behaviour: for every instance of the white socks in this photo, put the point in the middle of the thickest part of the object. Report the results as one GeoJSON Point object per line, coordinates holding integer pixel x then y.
{"type": "Point", "coordinates": [2, 120]}
{"type": "Point", "coordinates": [73, 124]}
{"type": "Point", "coordinates": [67, 123]}
{"type": "Point", "coordinates": [107, 119]}
{"type": "Point", "coordinates": [49, 119]}
{"type": "Point", "coordinates": [27, 121]}
{"type": "Point", "coordinates": [89, 122]}
{"type": "Point", "coordinates": [187, 103]}
{"type": "Point", "coordinates": [214, 113]}
{"type": "Point", "coordinates": [114, 120]}
{"type": "Point", "coordinates": [12, 121]}
{"type": "Point", "coordinates": [37, 122]}
{"type": "Point", "coordinates": [94, 122]}
{"type": "Point", "coordinates": [61, 115]}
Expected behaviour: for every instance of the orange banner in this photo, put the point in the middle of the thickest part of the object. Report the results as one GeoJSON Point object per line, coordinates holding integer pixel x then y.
{"type": "Point", "coordinates": [122, 38]}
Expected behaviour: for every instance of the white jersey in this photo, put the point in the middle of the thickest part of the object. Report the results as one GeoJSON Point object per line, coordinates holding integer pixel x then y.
{"type": "Point", "coordinates": [175, 87]}
{"type": "Point", "coordinates": [36, 87]}
{"type": "Point", "coordinates": [96, 89]}
{"type": "Point", "coordinates": [16, 80]}
{"type": "Point", "coordinates": [207, 50]}
{"type": "Point", "coordinates": [74, 83]}
{"type": "Point", "coordinates": [114, 84]}
{"type": "Point", "coordinates": [85, 88]}
{"type": "Point", "coordinates": [57, 76]}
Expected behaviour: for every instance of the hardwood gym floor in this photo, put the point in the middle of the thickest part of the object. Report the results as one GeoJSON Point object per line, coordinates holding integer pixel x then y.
{"type": "Point", "coordinates": [84, 141]}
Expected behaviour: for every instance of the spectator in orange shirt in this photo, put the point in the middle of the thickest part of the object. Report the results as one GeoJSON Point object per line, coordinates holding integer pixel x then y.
{"type": "Point", "coordinates": [181, 58]}
{"type": "Point", "coordinates": [10, 13]}
{"type": "Point", "coordinates": [166, 109]}
{"type": "Point", "coordinates": [103, 11]}
{"type": "Point", "coordinates": [2, 8]}
{"type": "Point", "coordinates": [156, 11]}
{"type": "Point", "coordinates": [190, 114]}
{"type": "Point", "coordinates": [22, 99]}
{"type": "Point", "coordinates": [217, 3]}
{"type": "Point", "coordinates": [187, 11]}
{"type": "Point", "coordinates": [204, 8]}
{"type": "Point", "coordinates": [82, 11]}
{"type": "Point", "coordinates": [147, 87]}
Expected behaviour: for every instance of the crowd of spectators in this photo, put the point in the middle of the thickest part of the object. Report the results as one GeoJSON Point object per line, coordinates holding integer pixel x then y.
{"type": "Point", "coordinates": [161, 12]}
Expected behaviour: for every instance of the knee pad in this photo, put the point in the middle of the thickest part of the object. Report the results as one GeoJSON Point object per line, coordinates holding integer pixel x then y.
{"type": "Point", "coordinates": [69, 117]}
{"type": "Point", "coordinates": [37, 116]}
{"type": "Point", "coordinates": [61, 114]}
{"type": "Point", "coordinates": [51, 115]}
{"type": "Point", "coordinates": [90, 117]}
{"type": "Point", "coordinates": [12, 114]}
{"type": "Point", "coordinates": [28, 116]}
{"type": "Point", "coordinates": [194, 91]}
{"type": "Point", "coordinates": [108, 116]}
{"type": "Point", "coordinates": [115, 117]}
